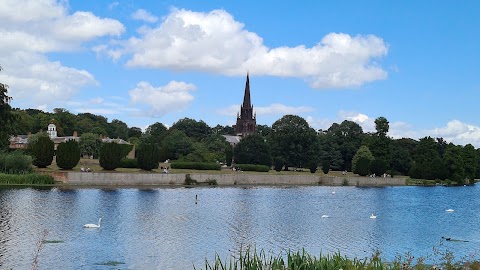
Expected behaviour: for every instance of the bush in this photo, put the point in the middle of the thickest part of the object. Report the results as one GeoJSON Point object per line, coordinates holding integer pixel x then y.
{"type": "Point", "coordinates": [15, 163]}
{"type": "Point", "coordinates": [228, 155]}
{"type": "Point", "coordinates": [26, 179]}
{"type": "Point", "coordinates": [129, 163]}
{"type": "Point", "coordinates": [326, 166]}
{"type": "Point", "coordinates": [196, 166]}
{"type": "Point", "coordinates": [147, 156]}
{"type": "Point", "coordinates": [278, 163]}
{"type": "Point", "coordinates": [312, 165]}
{"type": "Point", "coordinates": [252, 167]}
{"type": "Point", "coordinates": [42, 151]}
{"type": "Point", "coordinates": [68, 154]}
{"type": "Point", "coordinates": [378, 166]}
{"type": "Point", "coordinates": [363, 166]}
{"type": "Point", "coordinates": [110, 155]}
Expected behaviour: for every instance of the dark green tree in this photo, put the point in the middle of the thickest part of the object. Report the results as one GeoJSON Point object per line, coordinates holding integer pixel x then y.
{"type": "Point", "coordinates": [199, 153]}
{"type": "Point", "coordinates": [470, 162]}
{"type": "Point", "coordinates": [329, 150]}
{"type": "Point", "coordinates": [148, 156]}
{"type": "Point", "coordinates": [68, 154]}
{"type": "Point", "coordinates": [228, 155]}
{"type": "Point", "coordinates": [428, 163]}
{"type": "Point", "coordinates": [454, 163]}
{"type": "Point", "coordinates": [378, 167]}
{"type": "Point", "coordinates": [7, 118]}
{"type": "Point", "coordinates": [118, 129]}
{"type": "Point", "coordinates": [135, 132]}
{"type": "Point", "coordinates": [401, 160]}
{"type": "Point", "coordinates": [42, 150]}
{"type": "Point", "coordinates": [110, 155]}
{"type": "Point", "coordinates": [175, 145]}
{"type": "Point", "coordinates": [325, 166]}
{"type": "Point", "coordinates": [65, 122]}
{"type": "Point", "coordinates": [382, 126]}
{"type": "Point", "coordinates": [252, 150]}
{"type": "Point", "coordinates": [216, 144]}
{"type": "Point", "coordinates": [263, 130]}
{"type": "Point", "coordinates": [362, 166]}
{"type": "Point", "coordinates": [363, 151]}
{"type": "Point", "coordinates": [155, 133]}
{"type": "Point", "coordinates": [348, 136]}
{"type": "Point", "coordinates": [194, 129]}
{"type": "Point", "coordinates": [294, 141]}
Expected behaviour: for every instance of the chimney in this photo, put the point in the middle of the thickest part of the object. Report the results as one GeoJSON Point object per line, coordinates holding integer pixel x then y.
{"type": "Point", "coordinates": [75, 134]}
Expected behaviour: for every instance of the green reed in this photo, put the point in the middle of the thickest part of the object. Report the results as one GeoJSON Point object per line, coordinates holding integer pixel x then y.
{"type": "Point", "coordinates": [26, 179]}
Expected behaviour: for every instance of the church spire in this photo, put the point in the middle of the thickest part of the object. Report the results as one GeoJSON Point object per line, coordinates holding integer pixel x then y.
{"type": "Point", "coordinates": [246, 97]}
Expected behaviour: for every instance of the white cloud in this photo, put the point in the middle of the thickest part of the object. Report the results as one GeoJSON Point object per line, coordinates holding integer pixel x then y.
{"type": "Point", "coordinates": [458, 132]}
{"type": "Point", "coordinates": [175, 96]}
{"type": "Point", "coordinates": [216, 42]}
{"type": "Point", "coordinates": [143, 15]}
{"type": "Point", "coordinates": [113, 5]}
{"type": "Point", "coordinates": [32, 28]}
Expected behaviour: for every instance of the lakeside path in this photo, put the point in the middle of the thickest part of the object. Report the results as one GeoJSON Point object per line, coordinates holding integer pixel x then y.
{"type": "Point", "coordinates": [178, 179]}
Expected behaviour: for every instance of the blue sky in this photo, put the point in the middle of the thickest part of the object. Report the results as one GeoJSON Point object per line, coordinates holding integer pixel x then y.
{"type": "Point", "coordinates": [414, 62]}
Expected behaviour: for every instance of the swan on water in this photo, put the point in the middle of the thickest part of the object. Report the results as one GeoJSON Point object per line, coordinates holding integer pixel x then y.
{"type": "Point", "coordinates": [373, 216]}
{"type": "Point", "coordinates": [91, 225]}
{"type": "Point", "coordinates": [325, 216]}
{"type": "Point", "coordinates": [450, 210]}
{"type": "Point", "coordinates": [333, 192]}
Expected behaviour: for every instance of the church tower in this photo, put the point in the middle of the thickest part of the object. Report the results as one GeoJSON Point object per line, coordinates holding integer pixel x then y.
{"type": "Point", "coordinates": [246, 122]}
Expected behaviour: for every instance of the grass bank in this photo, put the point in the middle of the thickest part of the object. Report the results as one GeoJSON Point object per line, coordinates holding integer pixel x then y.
{"type": "Point", "coordinates": [31, 179]}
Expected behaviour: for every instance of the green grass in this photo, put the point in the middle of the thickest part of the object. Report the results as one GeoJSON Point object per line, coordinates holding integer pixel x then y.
{"type": "Point", "coordinates": [25, 179]}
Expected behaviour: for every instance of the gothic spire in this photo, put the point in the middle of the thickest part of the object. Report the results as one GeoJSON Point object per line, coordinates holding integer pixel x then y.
{"type": "Point", "coordinates": [246, 97]}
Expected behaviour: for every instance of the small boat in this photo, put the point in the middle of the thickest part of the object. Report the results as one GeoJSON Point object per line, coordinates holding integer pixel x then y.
{"type": "Point", "coordinates": [373, 216]}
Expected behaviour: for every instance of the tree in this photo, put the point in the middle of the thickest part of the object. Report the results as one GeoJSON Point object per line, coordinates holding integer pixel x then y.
{"type": "Point", "coordinates": [65, 122]}
{"type": "Point", "coordinates": [216, 144]}
{"type": "Point", "coordinates": [362, 166]}
{"type": "Point", "coordinates": [293, 141]}
{"type": "Point", "coordinates": [118, 129]}
{"type": "Point", "coordinates": [194, 129]}
{"type": "Point", "coordinates": [325, 166]}
{"type": "Point", "coordinates": [364, 152]}
{"type": "Point", "coordinates": [470, 162]}
{"type": "Point", "coordinates": [401, 160]}
{"type": "Point", "coordinates": [378, 166]}
{"type": "Point", "coordinates": [329, 151]}
{"type": "Point", "coordinates": [263, 130]}
{"type": "Point", "coordinates": [7, 118]}
{"type": "Point", "coordinates": [252, 150]}
{"type": "Point", "coordinates": [382, 126]}
{"type": "Point", "coordinates": [148, 156]}
{"type": "Point", "coordinates": [68, 154]}
{"type": "Point", "coordinates": [454, 163]}
{"type": "Point", "coordinates": [90, 145]}
{"type": "Point", "coordinates": [175, 145]}
{"type": "Point", "coordinates": [199, 153]}
{"type": "Point", "coordinates": [348, 136]}
{"type": "Point", "coordinates": [427, 162]}
{"type": "Point", "coordinates": [155, 133]}
{"type": "Point", "coordinates": [135, 132]}
{"type": "Point", "coordinates": [110, 155]}
{"type": "Point", "coordinates": [42, 151]}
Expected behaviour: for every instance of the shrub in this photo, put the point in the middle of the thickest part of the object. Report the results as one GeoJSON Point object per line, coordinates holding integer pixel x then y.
{"type": "Point", "coordinates": [42, 151]}
{"type": "Point", "coordinates": [312, 165]}
{"type": "Point", "coordinates": [196, 166]}
{"type": "Point", "coordinates": [378, 166]}
{"type": "Point", "coordinates": [278, 163]}
{"type": "Point", "coordinates": [15, 163]}
{"type": "Point", "coordinates": [326, 166]}
{"type": "Point", "coordinates": [228, 155]}
{"type": "Point", "coordinates": [252, 167]}
{"type": "Point", "coordinates": [68, 154]}
{"type": "Point", "coordinates": [189, 180]}
{"type": "Point", "coordinates": [363, 166]}
{"type": "Point", "coordinates": [147, 156]}
{"type": "Point", "coordinates": [129, 163]}
{"type": "Point", "coordinates": [110, 155]}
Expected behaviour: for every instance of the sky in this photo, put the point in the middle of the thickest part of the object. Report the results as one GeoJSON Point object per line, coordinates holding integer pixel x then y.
{"type": "Point", "coordinates": [416, 63]}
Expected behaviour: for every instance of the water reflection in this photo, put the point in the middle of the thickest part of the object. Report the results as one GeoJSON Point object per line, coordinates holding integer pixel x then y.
{"type": "Point", "coordinates": [171, 229]}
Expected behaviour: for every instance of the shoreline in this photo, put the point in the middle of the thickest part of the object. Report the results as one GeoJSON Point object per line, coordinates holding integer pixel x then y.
{"type": "Point", "coordinates": [100, 179]}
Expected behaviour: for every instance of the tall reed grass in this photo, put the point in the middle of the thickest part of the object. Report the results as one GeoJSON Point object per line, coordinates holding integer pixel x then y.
{"type": "Point", "coordinates": [301, 260]}
{"type": "Point", "coordinates": [15, 163]}
{"type": "Point", "coordinates": [26, 179]}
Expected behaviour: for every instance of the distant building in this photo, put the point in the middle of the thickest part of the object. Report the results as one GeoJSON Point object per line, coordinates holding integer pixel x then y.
{"type": "Point", "coordinates": [246, 122]}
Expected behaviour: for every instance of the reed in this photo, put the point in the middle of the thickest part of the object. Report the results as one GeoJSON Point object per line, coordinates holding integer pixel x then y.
{"type": "Point", "coordinates": [25, 179]}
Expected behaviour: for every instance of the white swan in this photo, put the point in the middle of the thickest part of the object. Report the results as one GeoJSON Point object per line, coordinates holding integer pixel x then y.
{"type": "Point", "coordinates": [373, 216]}
{"type": "Point", "coordinates": [91, 225]}
{"type": "Point", "coordinates": [325, 216]}
{"type": "Point", "coordinates": [333, 192]}
{"type": "Point", "coordinates": [450, 210]}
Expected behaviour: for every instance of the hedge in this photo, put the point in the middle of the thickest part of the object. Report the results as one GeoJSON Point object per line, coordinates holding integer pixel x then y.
{"type": "Point", "coordinates": [15, 163]}
{"type": "Point", "coordinates": [129, 163]}
{"type": "Point", "coordinates": [252, 167]}
{"type": "Point", "coordinates": [196, 166]}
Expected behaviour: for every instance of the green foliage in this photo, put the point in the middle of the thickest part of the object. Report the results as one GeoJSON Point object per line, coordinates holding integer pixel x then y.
{"type": "Point", "coordinates": [278, 163]}
{"type": "Point", "coordinates": [454, 163]}
{"type": "Point", "coordinates": [117, 129]}
{"type": "Point", "coordinates": [362, 166]}
{"type": "Point", "coordinates": [15, 163]}
{"type": "Point", "coordinates": [401, 159]}
{"type": "Point", "coordinates": [90, 145]}
{"type": "Point", "coordinates": [175, 145]}
{"type": "Point", "coordinates": [345, 138]}
{"type": "Point", "coordinates": [428, 163]}
{"type": "Point", "coordinates": [199, 153]}
{"type": "Point", "coordinates": [68, 154]}
{"type": "Point", "coordinates": [7, 118]}
{"type": "Point", "coordinates": [378, 166]}
{"type": "Point", "coordinates": [312, 166]}
{"type": "Point", "coordinates": [252, 167]}
{"type": "Point", "coordinates": [216, 145]}
{"type": "Point", "coordinates": [147, 156]}
{"type": "Point", "coordinates": [252, 150]}
{"type": "Point", "coordinates": [293, 140]}
{"type": "Point", "coordinates": [131, 163]}
{"type": "Point", "coordinates": [110, 155]}
{"type": "Point", "coordinates": [196, 130]}
{"type": "Point", "coordinates": [469, 161]}
{"type": "Point", "coordinates": [155, 133]}
{"type": "Point", "coordinates": [363, 151]}
{"type": "Point", "coordinates": [326, 166]}
{"type": "Point", "coordinates": [381, 126]}
{"type": "Point", "coordinates": [195, 165]}
{"type": "Point", "coordinates": [26, 179]}
{"type": "Point", "coordinates": [42, 151]}
{"type": "Point", "coordinates": [228, 155]}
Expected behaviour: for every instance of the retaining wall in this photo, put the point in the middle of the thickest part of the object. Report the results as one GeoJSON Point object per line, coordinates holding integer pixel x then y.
{"type": "Point", "coordinates": [133, 179]}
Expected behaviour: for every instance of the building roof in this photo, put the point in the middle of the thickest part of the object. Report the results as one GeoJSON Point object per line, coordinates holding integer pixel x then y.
{"type": "Point", "coordinates": [232, 139]}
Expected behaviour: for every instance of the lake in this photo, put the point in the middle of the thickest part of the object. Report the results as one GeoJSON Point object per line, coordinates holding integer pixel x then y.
{"type": "Point", "coordinates": [167, 228]}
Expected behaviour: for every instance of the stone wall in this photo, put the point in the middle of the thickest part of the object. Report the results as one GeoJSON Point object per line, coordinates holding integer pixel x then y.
{"type": "Point", "coordinates": [132, 179]}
